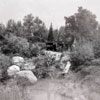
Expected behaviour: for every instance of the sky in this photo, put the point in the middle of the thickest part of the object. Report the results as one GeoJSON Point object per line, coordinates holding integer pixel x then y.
{"type": "Point", "coordinates": [49, 11]}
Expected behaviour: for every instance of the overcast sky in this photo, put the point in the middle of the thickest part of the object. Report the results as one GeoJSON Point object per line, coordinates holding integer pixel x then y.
{"type": "Point", "coordinates": [47, 10]}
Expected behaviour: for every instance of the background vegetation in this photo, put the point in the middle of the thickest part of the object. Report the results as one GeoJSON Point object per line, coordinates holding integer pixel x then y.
{"type": "Point", "coordinates": [29, 38]}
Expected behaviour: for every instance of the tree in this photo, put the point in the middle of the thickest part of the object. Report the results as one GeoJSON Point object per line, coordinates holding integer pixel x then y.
{"type": "Point", "coordinates": [61, 34]}
{"type": "Point", "coordinates": [28, 25]}
{"type": "Point", "coordinates": [55, 34]}
{"type": "Point", "coordinates": [39, 28]}
{"type": "Point", "coordinates": [2, 29]}
{"type": "Point", "coordinates": [50, 35]}
{"type": "Point", "coordinates": [66, 38]}
{"type": "Point", "coordinates": [11, 26]}
{"type": "Point", "coordinates": [20, 31]}
{"type": "Point", "coordinates": [34, 27]}
{"type": "Point", "coordinates": [82, 24]}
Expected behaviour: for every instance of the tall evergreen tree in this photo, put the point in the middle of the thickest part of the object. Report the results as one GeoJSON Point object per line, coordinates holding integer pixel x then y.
{"type": "Point", "coordinates": [50, 35]}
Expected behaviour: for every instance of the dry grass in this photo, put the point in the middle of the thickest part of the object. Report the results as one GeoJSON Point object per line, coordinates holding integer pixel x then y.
{"type": "Point", "coordinates": [11, 91]}
{"type": "Point", "coordinates": [84, 85]}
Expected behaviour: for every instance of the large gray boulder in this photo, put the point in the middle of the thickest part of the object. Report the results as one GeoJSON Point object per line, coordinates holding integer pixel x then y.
{"type": "Point", "coordinates": [17, 60]}
{"type": "Point", "coordinates": [25, 77]}
{"type": "Point", "coordinates": [12, 70]}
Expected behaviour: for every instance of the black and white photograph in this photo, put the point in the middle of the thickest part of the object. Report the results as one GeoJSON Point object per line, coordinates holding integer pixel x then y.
{"type": "Point", "coordinates": [49, 50]}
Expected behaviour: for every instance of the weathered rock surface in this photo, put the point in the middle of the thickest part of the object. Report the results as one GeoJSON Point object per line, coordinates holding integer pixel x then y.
{"type": "Point", "coordinates": [67, 67]}
{"type": "Point", "coordinates": [65, 57]}
{"type": "Point", "coordinates": [65, 63]}
{"type": "Point", "coordinates": [17, 60]}
{"type": "Point", "coordinates": [25, 77]}
{"type": "Point", "coordinates": [12, 70]}
{"type": "Point", "coordinates": [56, 55]}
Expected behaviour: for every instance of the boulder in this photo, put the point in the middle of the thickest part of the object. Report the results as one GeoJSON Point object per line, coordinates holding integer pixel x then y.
{"type": "Point", "coordinates": [67, 67]}
{"type": "Point", "coordinates": [17, 60]}
{"type": "Point", "coordinates": [12, 70]}
{"type": "Point", "coordinates": [65, 63]}
{"type": "Point", "coordinates": [65, 58]}
{"type": "Point", "coordinates": [56, 55]}
{"type": "Point", "coordinates": [26, 77]}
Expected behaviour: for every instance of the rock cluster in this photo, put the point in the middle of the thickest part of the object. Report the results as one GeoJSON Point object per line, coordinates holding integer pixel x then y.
{"type": "Point", "coordinates": [21, 71]}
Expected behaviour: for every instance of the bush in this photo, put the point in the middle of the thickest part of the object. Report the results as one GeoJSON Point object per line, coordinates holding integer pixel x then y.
{"type": "Point", "coordinates": [44, 67]}
{"type": "Point", "coordinates": [96, 48]}
{"type": "Point", "coordinates": [15, 45]}
{"type": "Point", "coordinates": [5, 62]}
{"type": "Point", "coordinates": [35, 50]}
{"type": "Point", "coordinates": [41, 45]}
{"type": "Point", "coordinates": [9, 48]}
{"type": "Point", "coordinates": [82, 53]}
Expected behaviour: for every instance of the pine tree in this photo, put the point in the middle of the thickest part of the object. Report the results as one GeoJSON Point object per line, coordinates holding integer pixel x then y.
{"type": "Point", "coordinates": [50, 35]}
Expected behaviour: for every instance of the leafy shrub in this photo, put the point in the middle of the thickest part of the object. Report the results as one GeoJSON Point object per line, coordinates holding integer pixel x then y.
{"type": "Point", "coordinates": [44, 67]}
{"type": "Point", "coordinates": [23, 46]}
{"type": "Point", "coordinates": [96, 49]}
{"type": "Point", "coordinates": [41, 45]}
{"type": "Point", "coordinates": [5, 62]}
{"type": "Point", "coordinates": [20, 45]}
{"type": "Point", "coordinates": [9, 48]}
{"type": "Point", "coordinates": [15, 45]}
{"type": "Point", "coordinates": [35, 50]}
{"type": "Point", "coordinates": [95, 62]}
{"type": "Point", "coordinates": [82, 54]}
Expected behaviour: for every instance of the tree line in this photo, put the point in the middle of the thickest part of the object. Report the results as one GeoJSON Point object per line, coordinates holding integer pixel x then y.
{"type": "Point", "coordinates": [22, 37]}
